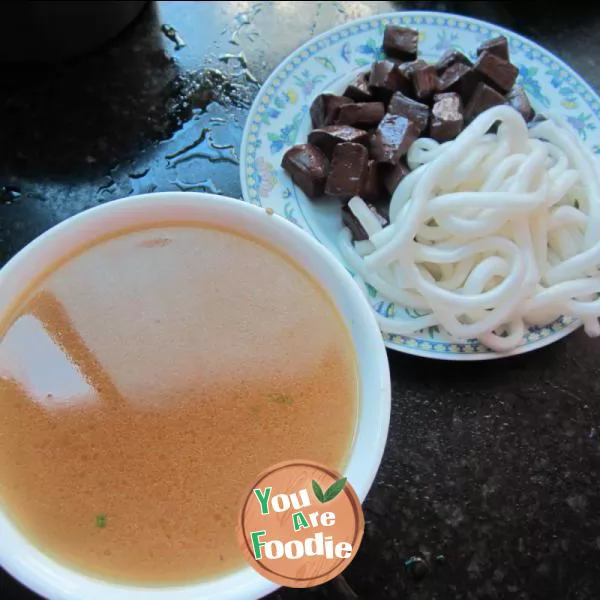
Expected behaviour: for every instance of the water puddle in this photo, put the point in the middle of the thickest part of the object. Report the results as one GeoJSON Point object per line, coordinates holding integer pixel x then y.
{"type": "Point", "coordinates": [171, 34]}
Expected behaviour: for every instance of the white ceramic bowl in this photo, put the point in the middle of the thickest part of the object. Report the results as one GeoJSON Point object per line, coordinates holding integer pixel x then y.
{"type": "Point", "coordinates": [57, 582]}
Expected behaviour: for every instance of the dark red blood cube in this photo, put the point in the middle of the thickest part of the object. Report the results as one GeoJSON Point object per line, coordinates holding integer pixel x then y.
{"type": "Point", "coordinates": [373, 189]}
{"type": "Point", "coordinates": [496, 72]}
{"type": "Point", "coordinates": [458, 78]}
{"type": "Point", "coordinates": [347, 170]}
{"type": "Point", "coordinates": [483, 97]}
{"type": "Point", "coordinates": [517, 98]}
{"type": "Point", "coordinates": [425, 82]}
{"type": "Point", "coordinates": [385, 79]}
{"type": "Point", "coordinates": [393, 175]}
{"type": "Point", "coordinates": [359, 90]}
{"type": "Point", "coordinates": [324, 108]}
{"type": "Point", "coordinates": [327, 138]}
{"type": "Point", "coordinates": [408, 68]}
{"type": "Point", "coordinates": [446, 117]}
{"type": "Point", "coordinates": [393, 138]}
{"type": "Point", "coordinates": [497, 46]}
{"type": "Point", "coordinates": [414, 111]}
{"type": "Point", "coordinates": [363, 115]}
{"type": "Point", "coordinates": [400, 42]}
{"type": "Point", "coordinates": [449, 58]}
{"type": "Point", "coordinates": [308, 167]}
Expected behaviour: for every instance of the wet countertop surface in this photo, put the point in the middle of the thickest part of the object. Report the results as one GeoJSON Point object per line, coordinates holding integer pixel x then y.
{"type": "Point", "coordinates": [489, 484]}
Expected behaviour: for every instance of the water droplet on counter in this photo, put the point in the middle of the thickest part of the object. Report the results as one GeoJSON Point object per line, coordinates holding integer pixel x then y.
{"type": "Point", "coordinates": [250, 76]}
{"type": "Point", "coordinates": [139, 174]}
{"type": "Point", "coordinates": [206, 185]}
{"type": "Point", "coordinates": [9, 193]}
{"type": "Point", "coordinates": [108, 183]}
{"type": "Point", "coordinates": [191, 93]}
{"type": "Point", "coordinates": [216, 146]}
{"type": "Point", "coordinates": [217, 157]}
{"type": "Point", "coordinates": [242, 19]}
{"type": "Point", "coordinates": [197, 142]}
{"type": "Point", "coordinates": [241, 57]}
{"type": "Point", "coordinates": [204, 147]}
{"type": "Point", "coordinates": [171, 34]}
{"type": "Point", "coordinates": [226, 88]}
{"type": "Point", "coordinates": [417, 567]}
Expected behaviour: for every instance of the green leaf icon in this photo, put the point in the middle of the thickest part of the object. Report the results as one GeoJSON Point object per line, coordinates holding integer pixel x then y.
{"type": "Point", "coordinates": [318, 491]}
{"type": "Point", "coordinates": [335, 489]}
{"type": "Point", "coordinates": [331, 492]}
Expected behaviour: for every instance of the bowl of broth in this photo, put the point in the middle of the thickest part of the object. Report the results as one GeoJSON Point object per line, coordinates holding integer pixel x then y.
{"type": "Point", "coordinates": [156, 354]}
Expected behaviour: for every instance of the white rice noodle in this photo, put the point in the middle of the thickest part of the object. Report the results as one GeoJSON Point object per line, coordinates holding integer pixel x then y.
{"type": "Point", "coordinates": [489, 233]}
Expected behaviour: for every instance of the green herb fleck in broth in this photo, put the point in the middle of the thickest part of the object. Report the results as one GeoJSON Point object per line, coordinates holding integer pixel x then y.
{"type": "Point", "coordinates": [282, 399]}
{"type": "Point", "coordinates": [101, 521]}
{"type": "Point", "coordinates": [576, 204]}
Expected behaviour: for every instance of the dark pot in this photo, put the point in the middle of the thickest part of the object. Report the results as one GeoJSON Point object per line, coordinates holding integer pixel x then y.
{"type": "Point", "coordinates": [52, 30]}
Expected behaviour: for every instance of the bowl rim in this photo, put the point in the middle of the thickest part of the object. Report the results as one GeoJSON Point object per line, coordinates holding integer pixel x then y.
{"type": "Point", "coordinates": [56, 581]}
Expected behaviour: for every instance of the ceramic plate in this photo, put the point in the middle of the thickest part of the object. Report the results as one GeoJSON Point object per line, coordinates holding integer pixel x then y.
{"type": "Point", "coordinates": [279, 118]}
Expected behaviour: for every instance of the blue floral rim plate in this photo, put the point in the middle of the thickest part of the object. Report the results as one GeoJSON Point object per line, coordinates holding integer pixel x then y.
{"type": "Point", "coordinates": [279, 118]}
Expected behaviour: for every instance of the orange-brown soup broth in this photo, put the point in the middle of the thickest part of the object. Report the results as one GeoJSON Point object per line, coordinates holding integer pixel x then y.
{"type": "Point", "coordinates": [144, 383]}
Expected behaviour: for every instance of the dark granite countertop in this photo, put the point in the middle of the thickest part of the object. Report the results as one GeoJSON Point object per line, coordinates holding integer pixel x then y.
{"type": "Point", "coordinates": [488, 487]}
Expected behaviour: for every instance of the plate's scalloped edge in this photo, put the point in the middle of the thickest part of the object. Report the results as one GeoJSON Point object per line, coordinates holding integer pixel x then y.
{"type": "Point", "coordinates": [418, 346]}
{"type": "Point", "coordinates": [477, 355]}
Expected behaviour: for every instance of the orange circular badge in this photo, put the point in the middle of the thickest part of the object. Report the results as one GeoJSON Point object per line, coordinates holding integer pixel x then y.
{"type": "Point", "coordinates": [301, 524]}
